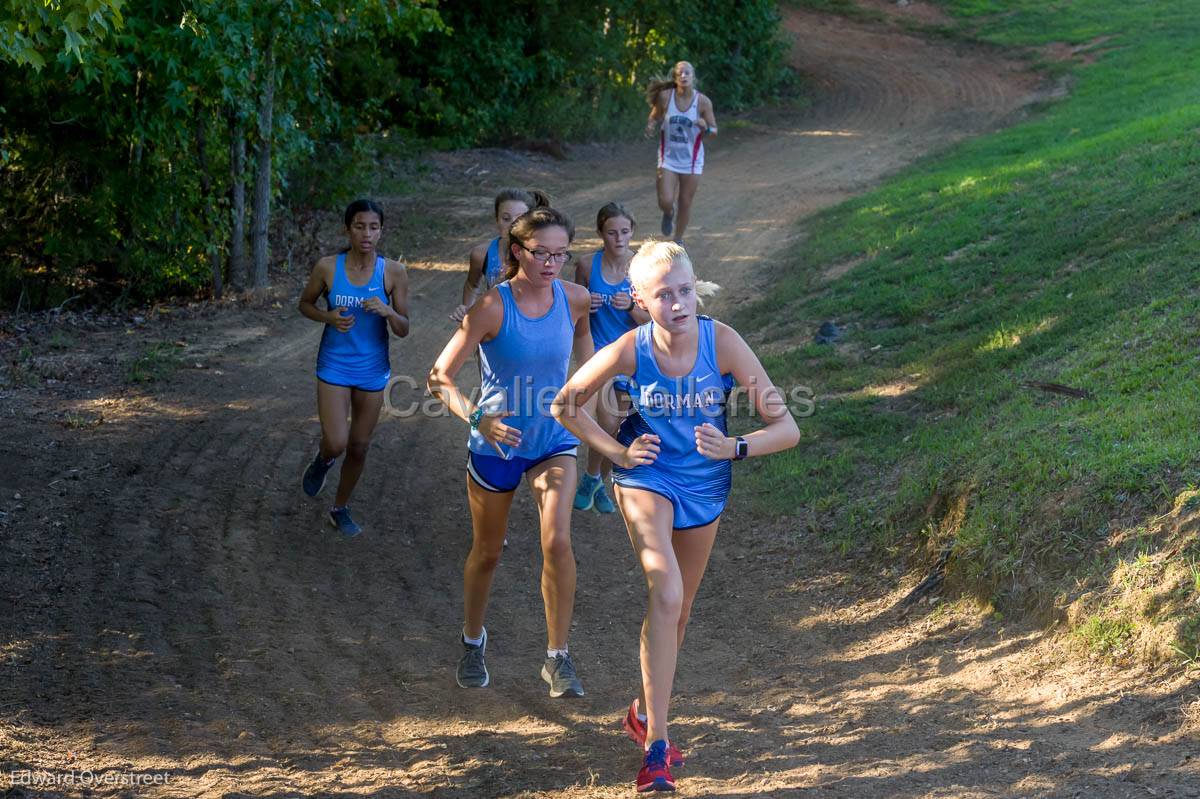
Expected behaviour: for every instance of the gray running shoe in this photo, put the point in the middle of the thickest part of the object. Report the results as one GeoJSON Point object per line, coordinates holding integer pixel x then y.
{"type": "Point", "coordinates": [472, 671]}
{"type": "Point", "coordinates": [559, 672]}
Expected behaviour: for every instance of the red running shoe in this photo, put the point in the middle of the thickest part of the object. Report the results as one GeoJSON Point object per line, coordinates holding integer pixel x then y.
{"type": "Point", "coordinates": [655, 774]}
{"type": "Point", "coordinates": [635, 728]}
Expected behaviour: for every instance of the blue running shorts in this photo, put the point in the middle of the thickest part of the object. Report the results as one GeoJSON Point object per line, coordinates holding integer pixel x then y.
{"type": "Point", "coordinates": [502, 475]}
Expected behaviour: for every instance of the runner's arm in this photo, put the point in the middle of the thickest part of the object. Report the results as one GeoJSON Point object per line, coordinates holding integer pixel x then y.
{"type": "Point", "coordinates": [398, 296]}
{"type": "Point", "coordinates": [481, 322]}
{"type": "Point", "coordinates": [780, 432]}
{"type": "Point", "coordinates": [581, 309]}
{"type": "Point", "coordinates": [707, 115]}
{"type": "Point", "coordinates": [318, 283]}
{"type": "Point", "coordinates": [471, 285]}
{"type": "Point", "coordinates": [573, 407]}
{"type": "Point", "coordinates": [657, 112]}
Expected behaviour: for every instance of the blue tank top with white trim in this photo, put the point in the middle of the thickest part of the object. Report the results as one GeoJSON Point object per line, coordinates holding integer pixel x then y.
{"type": "Point", "coordinates": [673, 407]}
{"type": "Point", "coordinates": [362, 351]}
{"type": "Point", "coordinates": [608, 323]}
{"type": "Point", "coordinates": [522, 369]}
{"type": "Point", "coordinates": [493, 269]}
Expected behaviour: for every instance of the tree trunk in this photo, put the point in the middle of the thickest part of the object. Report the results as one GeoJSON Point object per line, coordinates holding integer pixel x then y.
{"type": "Point", "coordinates": [237, 202]}
{"type": "Point", "coordinates": [262, 175]}
{"type": "Point", "coordinates": [206, 197]}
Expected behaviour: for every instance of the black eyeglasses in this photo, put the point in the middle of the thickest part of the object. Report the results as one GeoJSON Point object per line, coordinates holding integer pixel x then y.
{"type": "Point", "coordinates": [544, 256]}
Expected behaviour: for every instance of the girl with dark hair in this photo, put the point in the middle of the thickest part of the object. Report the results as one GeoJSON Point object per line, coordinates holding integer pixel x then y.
{"type": "Point", "coordinates": [486, 263]}
{"type": "Point", "coordinates": [687, 119]}
{"type": "Point", "coordinates": [613, 314]}
{"type": "Point", "coordinates": [672, 462]}
{"type": "Point", "coordinates": [366, 296]}
{"type": "Point", "coordinates": [525, 330]}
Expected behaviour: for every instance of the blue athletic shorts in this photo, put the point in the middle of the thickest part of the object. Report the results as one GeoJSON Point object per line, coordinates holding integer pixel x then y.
{"type": "Point", "coordinates": [335, 378]}
{"type": "Point", "coordinates": [502, 475]}
{"type": "Point", "coordinates": [692, 508]}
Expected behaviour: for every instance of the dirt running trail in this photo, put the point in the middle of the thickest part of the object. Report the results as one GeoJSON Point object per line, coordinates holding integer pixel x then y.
{"type": "Point", "coordinates": [178, 607]}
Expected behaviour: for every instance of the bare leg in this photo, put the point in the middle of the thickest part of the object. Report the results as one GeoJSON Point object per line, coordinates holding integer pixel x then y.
{"type": "Point", "coordinates": [668, 187]}
{"type": "Point", "coordinates": [553, 486]}
{"type": "Point", "coordinates": [364, 416]}
{"type": "Point", "coordinates": [489, 520]}
{"type": "Point", "coordinates": [692, 548]}
{"type": "Point", "coordinates": [687, 192]}
{"type": "Point", "coordinates": [648, 517]}
{"type": "Point", "coordinates": [333, 408]}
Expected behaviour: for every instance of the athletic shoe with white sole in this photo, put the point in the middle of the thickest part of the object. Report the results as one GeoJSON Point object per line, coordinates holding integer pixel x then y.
{"type": "Point", "coordinates": [472, 671]}
{"type": "Point", "coordinates": [559, 672]}
{"type": "Point", "coordinates": [602, 502]}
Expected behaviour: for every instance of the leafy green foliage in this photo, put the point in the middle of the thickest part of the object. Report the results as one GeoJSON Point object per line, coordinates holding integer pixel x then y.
{"type": "Point", "coordinates": [35, 31]}
{"type": "Point", "coordinates": [119, 116]}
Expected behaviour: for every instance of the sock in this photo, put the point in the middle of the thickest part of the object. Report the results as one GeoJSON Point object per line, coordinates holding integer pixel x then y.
{"type": "Point", "coordinates": [553, 653]}
{"type": "Point", "coordinates": [474, 641]}
{"type": "Point", "coordinates": [642, 718]}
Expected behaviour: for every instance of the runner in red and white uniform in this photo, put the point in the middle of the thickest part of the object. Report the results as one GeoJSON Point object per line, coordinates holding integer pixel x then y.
{"type": "Point", "coordinates": [686, 118]}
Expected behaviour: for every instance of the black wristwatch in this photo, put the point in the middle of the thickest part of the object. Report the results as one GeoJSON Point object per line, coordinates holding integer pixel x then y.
{"type": "Point", "coordinates": [740, 449]}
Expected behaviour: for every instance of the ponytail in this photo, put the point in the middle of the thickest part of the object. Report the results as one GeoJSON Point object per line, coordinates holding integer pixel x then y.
{"type": "Point", "coordinates": [657, 84]}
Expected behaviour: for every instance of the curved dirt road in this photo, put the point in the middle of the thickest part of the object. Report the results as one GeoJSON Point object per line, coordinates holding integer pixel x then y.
{"type": "Point", "coordinates": [187, 612]}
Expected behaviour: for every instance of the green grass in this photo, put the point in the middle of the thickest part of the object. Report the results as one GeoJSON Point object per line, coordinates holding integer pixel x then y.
{"type": "Point", "coordinates": [157, 362]}
{"type": "Point", "coordinates": [1062, 250]}
{"type": "Point", "coordinates": [1105, 636]}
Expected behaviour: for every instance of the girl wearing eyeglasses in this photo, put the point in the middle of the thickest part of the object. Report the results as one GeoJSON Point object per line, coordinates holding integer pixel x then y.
{"type": "Point", "coordinates": [613, 314]}
{"type": "Point", "coordinates": [525, 330]}
{"type": "Point", "coordinates": [485, 266]}
{"type": "Point", "coordinates": [686, 118]}
{"type": "Point", "coordinates": [672, 462]}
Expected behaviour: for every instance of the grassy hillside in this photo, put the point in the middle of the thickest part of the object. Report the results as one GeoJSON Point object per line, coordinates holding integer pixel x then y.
{"type": "Point", "coordinates": [1064, 250]}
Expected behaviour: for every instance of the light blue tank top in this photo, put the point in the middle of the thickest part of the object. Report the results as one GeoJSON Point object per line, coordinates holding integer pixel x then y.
{"type": "Point", "coordinates": [362, 351]}
{"type": "Point", "coordinates": [522, 369]}
{"type": "Point", "coordinates": [608, 323]}
{"type": "Point", "coordinates": [673, 407]}
{"type": "Point", "coordinates": [493, 269]}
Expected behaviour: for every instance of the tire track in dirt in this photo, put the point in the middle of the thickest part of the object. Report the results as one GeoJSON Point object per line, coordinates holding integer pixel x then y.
{"type": "Point", "coordinates": [261, 655]}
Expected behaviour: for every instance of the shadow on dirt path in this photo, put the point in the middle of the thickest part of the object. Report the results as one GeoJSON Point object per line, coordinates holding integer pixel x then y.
{"type": "Point", "coordinates": [175, 607]}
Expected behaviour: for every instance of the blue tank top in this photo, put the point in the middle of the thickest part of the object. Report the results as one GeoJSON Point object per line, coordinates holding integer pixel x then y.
{"type": "Point", "coordinates": [522, 369]}
{"type": "Point", "coordinates": [673, 407]}
{"type": "Point", "coordinates": [608, 323]}
{"type": "Point", "coordinates": [493, 270]}
{"type": "Point", "coordinates": [362, 351]}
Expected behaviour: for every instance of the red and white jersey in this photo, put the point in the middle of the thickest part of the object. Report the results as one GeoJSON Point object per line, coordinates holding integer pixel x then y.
{"type": "Point", "coordinates": [680, 141]}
